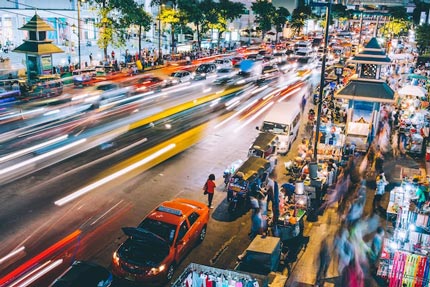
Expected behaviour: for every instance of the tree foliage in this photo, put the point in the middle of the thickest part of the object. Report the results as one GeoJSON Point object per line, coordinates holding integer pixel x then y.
{"type": "Point", "coordinates": [422, 36]}
{"type": "Point", "coordinates": [299, 16]}
{"type": "Point", "coordinates": [264, 11]}
{"type": "Point", "coordinates": [394, 28]}
{"type": "Point", "coordinates": [398, 12]}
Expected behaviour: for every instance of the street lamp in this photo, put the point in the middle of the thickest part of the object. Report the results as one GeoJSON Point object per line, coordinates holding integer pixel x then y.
{"type": "Point", "coordinates": [160, 55]}
{"type": "Point", "coordinates": [78, 3]}
{"type": "Point", "coordinates": [322, 81]}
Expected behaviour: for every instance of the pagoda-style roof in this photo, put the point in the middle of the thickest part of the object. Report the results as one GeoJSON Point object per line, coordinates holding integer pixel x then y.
{"type": "Point", "coordinates": [38, 48]}
{"type": "Point", "coordinates": [372, 54]}
{"type": "Point", "coordinates": [367, 91]}
{"type": "Point", "coordinates": [36, 24]}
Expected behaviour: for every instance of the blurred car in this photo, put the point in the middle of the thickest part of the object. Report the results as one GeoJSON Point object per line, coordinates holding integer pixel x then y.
{"type": "Point", "coordinates": [280, 57]}
{"type": "Point", "coordinates": [225, 72]}
{"type": "Point", "coordinates": [255, 57]}
{"type": "Point", "coordinates": [148, 83]}
{"type": "Point", "coordinates": [160, 242]}
{"type": "Point", "coordinates": [84, 274]}
{"type": "Point", "coordinates": [204, 70]}
{"type": "Point", "coordinates": [270, 69]}
{"type": "Point", "coordinates": [236, 60]}
{"type": "Point", "coordinates": [223, 63]}
{"type": "Point", "coordinates": [180, 77]}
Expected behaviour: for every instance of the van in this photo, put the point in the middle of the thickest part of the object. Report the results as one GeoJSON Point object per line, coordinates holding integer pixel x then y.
{"type": "Point", "coordinates": [284, 121]}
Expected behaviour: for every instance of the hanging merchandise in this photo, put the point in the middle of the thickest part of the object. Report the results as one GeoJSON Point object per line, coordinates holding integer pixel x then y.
{"type": "Point", "coordinates": [196, 275]}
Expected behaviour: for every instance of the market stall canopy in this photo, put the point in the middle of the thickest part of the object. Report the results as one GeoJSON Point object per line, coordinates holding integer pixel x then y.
{"type": "Point", "coordinates": [417, 76]}
{"type": "Point", "coordinates": [411, 90]}
{"type": "Point", "coordinates": [368, 91]}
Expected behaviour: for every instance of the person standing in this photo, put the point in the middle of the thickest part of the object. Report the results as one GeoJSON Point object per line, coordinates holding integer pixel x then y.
{"type": "Point", "coordinates": [380, 190]}
{"type": "Point", "coordinates": [210, 189]}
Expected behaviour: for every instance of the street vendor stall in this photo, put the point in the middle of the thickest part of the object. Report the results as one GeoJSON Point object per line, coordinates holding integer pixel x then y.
{"type": "Point", "coordinates": [194, 275]}
{"type": "Point", "coordinates": [404, 259]}
{"type": "Point", "coordinates": [265, 146]}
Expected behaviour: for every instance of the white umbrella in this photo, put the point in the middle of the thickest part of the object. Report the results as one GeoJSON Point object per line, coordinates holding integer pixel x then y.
{"type": "Point", "coordinates": [411, 90]}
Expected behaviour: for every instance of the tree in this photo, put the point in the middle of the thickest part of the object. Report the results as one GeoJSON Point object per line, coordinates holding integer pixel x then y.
{"type": "Point", "coordinates": [193, 13]}
{"type": "Point", "coordinates": [264, 12]}
{"type": "Point", "coordinates": [420, 6]}
{"type": "Point", "coordinates": [136, 15]}
{"type": "Point", "coordinates": [228, 11]}
{"type": "Point", "coordinates": [279, 19]}
{"type": "Point", "coordinates": [422, 36]}
{"type": "Point", "coordinates": [394, 28]}
{"type": "Point", "coordinates": [398, 12]}
{"type": "Point", "coordinates": [172, 17]}
{"type": "Point", "coordinates": [300, 15]}
{"type": "Point", "coordinates": [211, 16]}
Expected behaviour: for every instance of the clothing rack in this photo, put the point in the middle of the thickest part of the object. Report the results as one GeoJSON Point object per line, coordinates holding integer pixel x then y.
{"type": "Point", "coordinates": [194, 267]}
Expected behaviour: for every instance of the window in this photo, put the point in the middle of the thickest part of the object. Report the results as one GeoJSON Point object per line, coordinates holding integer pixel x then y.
{"type": "Point", "coordinates": [182, 230]}
{"type": "Point", "coordinates": [193, 218]}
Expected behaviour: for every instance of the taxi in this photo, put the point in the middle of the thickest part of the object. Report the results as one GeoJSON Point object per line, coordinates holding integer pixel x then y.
{"type": "Point", "coordinates": [160, 242]}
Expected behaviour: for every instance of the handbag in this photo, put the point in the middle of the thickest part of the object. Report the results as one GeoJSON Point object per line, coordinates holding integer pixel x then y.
{"type": "Point", "coordinates": [205, 188]}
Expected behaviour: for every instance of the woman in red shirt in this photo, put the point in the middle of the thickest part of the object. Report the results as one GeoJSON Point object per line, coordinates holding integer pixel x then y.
{"type": "Point", "coordinates": [210, 189]}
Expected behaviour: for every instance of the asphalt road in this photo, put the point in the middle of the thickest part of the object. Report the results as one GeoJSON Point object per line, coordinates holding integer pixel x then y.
{"type": "Point", "coordinates": [31, 219]}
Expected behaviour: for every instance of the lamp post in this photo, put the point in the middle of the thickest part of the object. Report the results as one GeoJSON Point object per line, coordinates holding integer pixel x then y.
{"type": "Point", "coordinates": [160, 55]}
{"type": "Point", "coordinates": [322, 81]}
{"type": "Point", "coordinates": [78, 3]}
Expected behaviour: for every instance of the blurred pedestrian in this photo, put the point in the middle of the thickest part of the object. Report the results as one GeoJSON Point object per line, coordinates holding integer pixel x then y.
{"type": "Point", "coordinates": [375, 249]}
{"type": "Point", "coordinates": [210, 189]}
{"type": "Point", "coordinates": [381, 183]}
{"type": "Point", "coordinates": [324, 257]}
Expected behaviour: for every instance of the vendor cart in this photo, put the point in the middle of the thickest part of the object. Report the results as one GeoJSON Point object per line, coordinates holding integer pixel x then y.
{"type": "Point", "coordinates": [261, 257]}
{"type": "Point", "coordinates": [252, 172]}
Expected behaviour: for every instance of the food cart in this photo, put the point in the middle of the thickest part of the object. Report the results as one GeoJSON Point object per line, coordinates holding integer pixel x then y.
{"type": "Point", "coordinates": [254, 169]}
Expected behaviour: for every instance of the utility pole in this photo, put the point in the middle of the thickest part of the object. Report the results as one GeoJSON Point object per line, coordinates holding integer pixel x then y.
{"type": "Point", "coordinates": [79, 33]}
{"type": "Point", "coordinates": [160, 55]}
{"type": "Point", "coordinates": [322, 82]}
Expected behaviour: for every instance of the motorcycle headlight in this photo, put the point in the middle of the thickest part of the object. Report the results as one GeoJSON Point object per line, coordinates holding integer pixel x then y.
{"type": "Point", "coordinates": [155, 271]}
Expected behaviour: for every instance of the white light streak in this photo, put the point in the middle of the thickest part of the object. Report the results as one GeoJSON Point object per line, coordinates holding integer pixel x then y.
{"type": "Point", "coordinates": [37, 158]}
{"type": "Point", "coordinates": [289, 94]}
{"type": "Point", "coordinates": [12, 254]}
{"type": "Point", "coordinates": [44, 269]}
{"type": "Point", "coordinates": [254, 116]}
{"type": "Point", "coordinates": [32, 148]}
{"type": "Point", "coordinates": [113, 176]}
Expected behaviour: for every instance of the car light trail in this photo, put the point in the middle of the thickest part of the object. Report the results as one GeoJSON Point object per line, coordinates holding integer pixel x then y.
{"type": "Point", "coordinates": [109, 210]}
{"type": "Point", "coordinates": [288, 94]}
{"type": "Point", "coordinates": [12, 254]}
{"type": "Point", "coordinates": [53, 112]}
{"type": "Point", "coordinates": [254, 116]}
{"type": "Point", "coordinates": [32, 148]}
{"type": "Point", "coordinates": [41, 256]}
{"type": "Point", "coordinates": [40, 157]}
{"type": "Point", "coordinates": [113, 176]}
{"type": "Point", "coordinates": [258, 90]}
{"type": "Point", "coordinates": [37, 273]}
{"type": "Point", "coordinates": [236, 113]}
